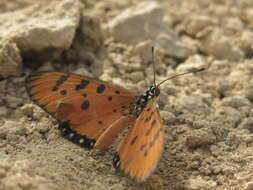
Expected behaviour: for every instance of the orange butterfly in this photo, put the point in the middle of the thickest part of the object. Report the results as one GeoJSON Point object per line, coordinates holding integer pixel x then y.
{"type": "Point", "coordinates": [91, 113]}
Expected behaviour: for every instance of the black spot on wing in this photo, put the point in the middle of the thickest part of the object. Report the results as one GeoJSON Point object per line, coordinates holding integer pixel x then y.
{"type": "Point", "coordinates": [148, 132]}
{"type": "Point", "coordinates": [101, 88]}
{"type": "Point", "coordinates": [59, 82]}
{"type": "Point", "coordinates": [149, 117]}
{"type": "Point", "coordinates": [55, 88]}
{"type": "Point", "coordinates": [109, 98]}
{"type": "Point", "coordinates": [153, 123]}
{"type": "Point", "coordinates": [134, 140]}
{"type": "Point", "coordinates": [85, 105]}
{"type": "Point", "coordinates": [63, 92]}
{"type": "Point", "coordinates": [83, 84]}
{"type": "Point", "coordinates": [117, 92]}
{"type": "Point", "coordinates": [142, 147]}
{"type": "Point", "coordinates": [155, 138]}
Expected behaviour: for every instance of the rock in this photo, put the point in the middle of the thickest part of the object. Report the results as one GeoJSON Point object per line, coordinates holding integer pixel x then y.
{"type": "Point", "coordinates": [2, 86]}
{"type": "Point", "coordinates": [246, 42]}
{"type": "Point", "coordinates": [233, 140]}
{"type": "Point", "coordinates": [224, 87]}
{"type": "Point", "coordinates": [200, 137]}
{"type": "Point", "coordinates": [199, 183]}
{"type": "Point", "coordinates": [12, 128]}
{"type": "Point", "coordinates": [145, 22]}
{"type": "Point", "coordinates": [192, 63]}
{"type": "Point", "coordinates": [168, 117]}
{"type": "Point", "coordinates": [229, 114]}
{"type": "Point", "coordinates": [235, 101]}
{"type": "Point", "coordinates": [249, 95]}
{"type": "Point", "coordinates": [172, 46]}
{"type": "Point", "coordinates": [3, 111]}
{"type": "Point", "coordinates": [249, 186]}
{"type": "Point", "coordinates": [247, 123]}
{"type": "Point", "coordinates": [42, 26]}
{"type": "Point", "coordinates": [144, 50]}
{"type": "Point", "coordinates": [14, 102]}
{"type": "Point", "coordinates": [216, 44]}
{"type": "Point", "coordinates": [10, 59]}
{"type": "Point", "coordinates": [27, 109]}
{"type": "Point", "coordinates": [136, 76]}
{"type": "Point", "coordinates": [129, 27]}
{"type": "Point", "coordinates": [21, 176]}
{"type": "Point", "coordinates": [196, 23]}
{"type": "Point", "coordinates": [192, 104]}
{"type": "Point", "coordinates": [233, 24]}
{"type": "Point", "coordinates": [88, 45]}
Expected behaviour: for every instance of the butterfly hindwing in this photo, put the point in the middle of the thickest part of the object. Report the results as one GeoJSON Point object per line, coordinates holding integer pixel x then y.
{"type": "Point", "coordinates": [140, 151]}
{"type": "Point", "coordinates": [86, 108]}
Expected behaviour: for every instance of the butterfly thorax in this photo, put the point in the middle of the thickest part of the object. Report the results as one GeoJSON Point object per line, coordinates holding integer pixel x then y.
{"type": "Point", "coordinates": [142, 100]}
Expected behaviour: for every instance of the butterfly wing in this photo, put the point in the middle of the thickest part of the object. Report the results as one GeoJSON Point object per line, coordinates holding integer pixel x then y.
{"type": "Point", "coordinates": [87, 109]}
{"type": "Point", "coordinates": [140, 151]}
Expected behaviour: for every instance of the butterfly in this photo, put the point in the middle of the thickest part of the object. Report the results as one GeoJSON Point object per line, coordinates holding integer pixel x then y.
{"type": "Point", "coordinates": [91, 113]}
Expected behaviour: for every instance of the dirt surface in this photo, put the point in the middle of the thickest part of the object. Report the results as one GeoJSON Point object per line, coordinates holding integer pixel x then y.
{"type": "Point", "coordinates": [208, 116]}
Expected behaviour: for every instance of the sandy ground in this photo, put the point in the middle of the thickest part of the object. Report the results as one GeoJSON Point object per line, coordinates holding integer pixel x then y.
{"type": "Point", "coordinates": [208, 116]}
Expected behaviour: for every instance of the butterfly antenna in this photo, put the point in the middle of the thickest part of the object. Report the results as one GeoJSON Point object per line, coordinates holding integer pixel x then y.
{"type": "Point", "coordinates": [153, 62]}
{"type": "Point", "coordinates": [180, 74]}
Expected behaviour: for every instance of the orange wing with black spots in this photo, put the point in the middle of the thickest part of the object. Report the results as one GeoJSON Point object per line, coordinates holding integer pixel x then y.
{"type": "Point", "coordinates": [140, 151]}
{"type": "Point", "coordinates": [91, 112]}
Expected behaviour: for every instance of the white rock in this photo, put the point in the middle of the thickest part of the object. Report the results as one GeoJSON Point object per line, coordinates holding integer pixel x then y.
{"type": "Point", "coordinates": [194, 104]}
{"type": "Point", "coordinates": [10, 59]}
{"type": "Point", "coordinates": [144, 50]}
{"type": "Point", "coordinates": [27, 109]}
{"type": "Point", "coordinates": [42, 26]}
{"type": "Point", "coordinates": [145, 22]}
{"type": "Point", "coordinates": [172, 46]}
{"type": "Point", "coordinates": [233, 24]}
{"type": "Point", "coordinates": [138, 23]}
{"type": "Point", "coordinates": [12, 127]}
{"type": "Point", "coordinates": [216, 44]}
{"type": "Point", "coordinates": [229, 115]}
{"type": "Point", "coordinates": [193, 62]}
{"type": "Point", "coordinates": [199, 183]}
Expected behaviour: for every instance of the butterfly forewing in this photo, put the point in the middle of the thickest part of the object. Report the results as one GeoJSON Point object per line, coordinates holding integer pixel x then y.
{"type": "Point", "coordinates": [140, 151]}
{"type": "Point", "coordinates": [85, 106]}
